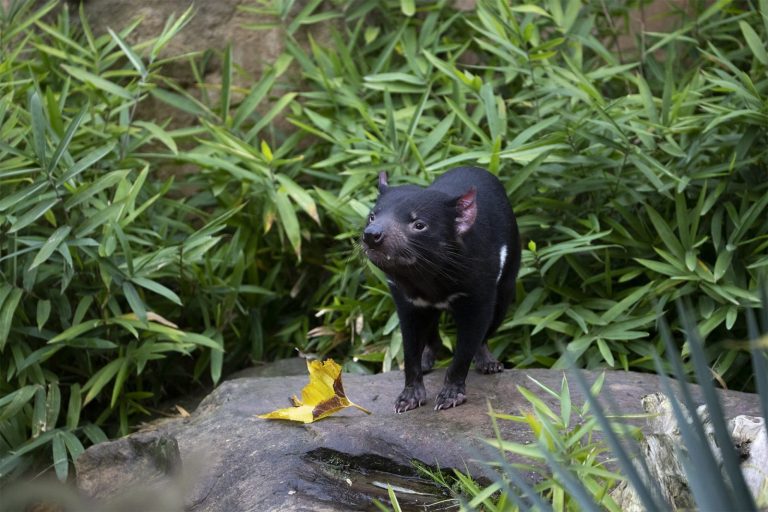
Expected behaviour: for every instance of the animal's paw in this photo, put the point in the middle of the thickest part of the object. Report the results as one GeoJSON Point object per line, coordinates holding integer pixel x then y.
{"type": "Point", "coordinates": [427, 359]}
{"type": "Point", "coordinates": [451, 395]}
{"type": "Point", "coordinates": [411, 398]}
{"type": "Point", "coordinates": [485, 362]}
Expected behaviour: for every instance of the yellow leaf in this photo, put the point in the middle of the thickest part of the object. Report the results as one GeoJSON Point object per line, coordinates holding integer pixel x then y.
{"type": "Point", "coordinates": [323, 396]}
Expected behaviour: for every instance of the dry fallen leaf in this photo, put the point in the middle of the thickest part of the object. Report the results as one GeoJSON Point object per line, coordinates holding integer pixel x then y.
{"type": "Point", "coordinates": [323, 396]}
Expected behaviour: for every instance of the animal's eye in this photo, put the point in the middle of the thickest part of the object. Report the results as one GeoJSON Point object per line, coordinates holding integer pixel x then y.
{"type": "Point", "coordinates": [419, 226]}
{"type": "Point", "coordinates": [371, 217]}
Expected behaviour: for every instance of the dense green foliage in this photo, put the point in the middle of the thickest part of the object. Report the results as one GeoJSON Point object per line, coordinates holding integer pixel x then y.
{"type": "Point", "coordinates": [579, 471]}
{"type": "Point", "coordinates": [638, 177]}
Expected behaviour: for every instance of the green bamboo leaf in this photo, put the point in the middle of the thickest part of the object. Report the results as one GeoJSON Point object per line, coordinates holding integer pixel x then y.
{"type": "Point", "coordinates": [38, 412]}
{"type": "Point", "coordinates": [277, 107]}
{"type": "Point", "coordinates": [437, 135]}
{"type": "Point", "coordinates": [106, 181]}
{"type": "Point", "coordinates": [94, 433]}
{"type": "Point", "coordinates": [665, 233]}
{"type": "Point", "coordinates": [135, 301]}
{"type": "Point", "coordinates": [260, 90]}
{"type": "Point", "coordinates": [74, 446]}
{"type": "Point", "coordinates": [565, 402]}
{"type": "Point", "coordinates": [74, 407]}
{"type": "Point", "coordinates": [491, 111]}
{"type": "Point", "coordinates": [288, 220]}
{"type": "Point", "coordinates": [105, 216]}
{"type": "Point", "coordinates": [87, 161]}
{"type": "Point", "coordinates": [52, 406]}
{"type": "Point", "coordinates": [753, 40]}
{"type": "Point", "coordinates": [12, 403]}
{"type": "Point", "coordinates": [43, 313]}
{"type": "Point", "coordinates": [76, 330]}
{"type": "Point", "coordinates": [184, 103]}
{"type": "Point", "coordinates": [34, 213]}
{"type": "Point", "coordinates": [134, 59]}
{"type": "Point", "coordinates": [19, 198]}
{"type": "Point", "coordinates": [217, 363]}
{"type": "Point", "coordinates": [39, 127]}
{"type": "Point", "coordinates": [9, 301]}
{"type": "Point", "coordinates": [101, 378]}
{"type": "Point", "coordinates": [160, 134]}
{"type": "Point", "coordinates": [605, 351]}
{"type": "Point", "coordinates": [395, 77]}
{"type": "Point", "coordinates": [117, 389]}
{"type": "Point", "coordinates": [226, 83]}
{"type": "Point", "coordinates": [408, 7]}
{"type": "Point", "coordinates": [50, 246]}
{"type": "Point", "coordinates": [158, 288]}
{"type": "Point", "coordinates": [300, 196]}
{"type": "Point", "coordinates": [60, 460]}
{"type": "Point", "coordinates": [98, 82]}
{"type": "Point", "coordinates": [623, 305]}
{"type": "Point", "coordinates": [66, 139]}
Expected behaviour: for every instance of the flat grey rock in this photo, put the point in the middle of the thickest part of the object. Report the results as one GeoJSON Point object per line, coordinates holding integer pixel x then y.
{"type": "Point", "coordinates": [230, 460]}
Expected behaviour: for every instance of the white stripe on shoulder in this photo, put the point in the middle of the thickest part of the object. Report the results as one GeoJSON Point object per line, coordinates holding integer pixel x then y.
{"type": "Point", "coordinates": [502, 261]}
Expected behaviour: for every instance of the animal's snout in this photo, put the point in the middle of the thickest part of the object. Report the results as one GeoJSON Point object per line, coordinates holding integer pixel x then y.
{"type": "Point", "coordinates": [373, 235]}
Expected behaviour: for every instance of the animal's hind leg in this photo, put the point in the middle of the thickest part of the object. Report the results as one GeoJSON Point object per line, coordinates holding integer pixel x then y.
{"type": "Point", "coordinates": [431, 347]}
{"type": "Point", "coordinates": [484, 360]}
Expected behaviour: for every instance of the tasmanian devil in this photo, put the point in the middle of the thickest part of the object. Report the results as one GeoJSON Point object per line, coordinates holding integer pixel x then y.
{"type": "Point", "coordinates": [452, 246]}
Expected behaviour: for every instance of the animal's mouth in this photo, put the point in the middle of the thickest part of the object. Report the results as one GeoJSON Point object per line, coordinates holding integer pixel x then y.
{"type": "Point", "coordinates": [386, 260]}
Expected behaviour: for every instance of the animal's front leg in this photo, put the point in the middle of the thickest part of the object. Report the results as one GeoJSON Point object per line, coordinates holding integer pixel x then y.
{"type": "Point", "coordinates": [472, 321]}
{"type": "Point", "coordinates": [416, 325]}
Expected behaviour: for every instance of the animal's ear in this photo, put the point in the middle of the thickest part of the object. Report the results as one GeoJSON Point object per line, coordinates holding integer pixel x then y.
{"type": "Point", "coordinates": [466, 209]}
{"type": "Point", "coordinates": [383, 185]}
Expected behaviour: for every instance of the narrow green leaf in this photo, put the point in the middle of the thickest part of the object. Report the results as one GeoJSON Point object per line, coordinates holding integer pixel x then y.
{"type": "Point", "coordinates": [226, 83]}
{"type": "Point", "coordinates": [134, 59]}
{"type": "Point", "coordinates": [627, 302]}
{"type": "Point", "coordinates": [260, 90]}
{"type": "Point", "coordinates": [19, 198]}
{"type": "Point", "coordinates": [43, 313]}
{"type": "Point", "coordinates": [7, 310]}
{"type": "Point", "coordinates": [101, 378]}
{"type": "Point", "coordinates": [288, 220]}
{"type": "Point", "coordinates": [39, 126]}
{"type": "Point", "coordinates": [74, 407]}
{"type": "Point", "coordinates": [38, 412]}
{"type": "Point", "coordinates": [183, 103]}
{"type": "Point", "coordinates": [135, 301]}
{"type": "Point", "coordinates": [52, 406]}
{"type": "Point", "coordinates": [753, 40]}
{"type": "Point", "coordinates": [33, 214]}
{"type": "Point", "coordinates": [50, 246]}
{"type": "Point", "coordinates": [160, 134]}
{"type": "Point", "coordinates": [76, 330]}
{"type": "Point", "coordinates": [277, 107]}
{"type": "Point", "coordinates": [117, 389]}
{"type": "Point", "coordinates": [66, 139]}
{"type": "Point", "coordinates": [605, 351]}
{"type": "Point", "coordinates": [106, 181]}
{"type": "Point", "coordinates": [158, 288]}
{"type": "Point", "coordinates": [60, 460]}
{"type": "Point", "coordinates": [86, 162]}
{"type": "Point", "coordinates": [300, 196]}
{"type": "Point", "coordinates": [665, 233]}
{"type": "Point", "coordinates": [12, 403]}
{"type": "Point", "coordinates": [98, 82]}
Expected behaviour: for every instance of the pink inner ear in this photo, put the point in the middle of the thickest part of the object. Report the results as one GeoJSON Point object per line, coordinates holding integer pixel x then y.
{"type": "Point", "coordinates": [383, 184]}
{"type": "Point", "coordinates": [466, 207]}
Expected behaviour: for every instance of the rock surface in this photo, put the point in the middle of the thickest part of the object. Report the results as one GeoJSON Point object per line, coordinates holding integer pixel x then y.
{"type": "Point", "coordinates": [231, 460]}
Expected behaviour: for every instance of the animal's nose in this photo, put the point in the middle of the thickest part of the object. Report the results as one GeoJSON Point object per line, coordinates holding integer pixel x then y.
{"type": "Point", "coordinates": [373, 235]}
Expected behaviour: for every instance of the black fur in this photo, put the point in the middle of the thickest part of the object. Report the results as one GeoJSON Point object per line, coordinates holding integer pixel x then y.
{"type": "Point", "coordinates": [441, 248]}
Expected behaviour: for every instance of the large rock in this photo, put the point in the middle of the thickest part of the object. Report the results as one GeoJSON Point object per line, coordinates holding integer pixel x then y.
{"type": "Point", "coordinates": [231, 460]}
